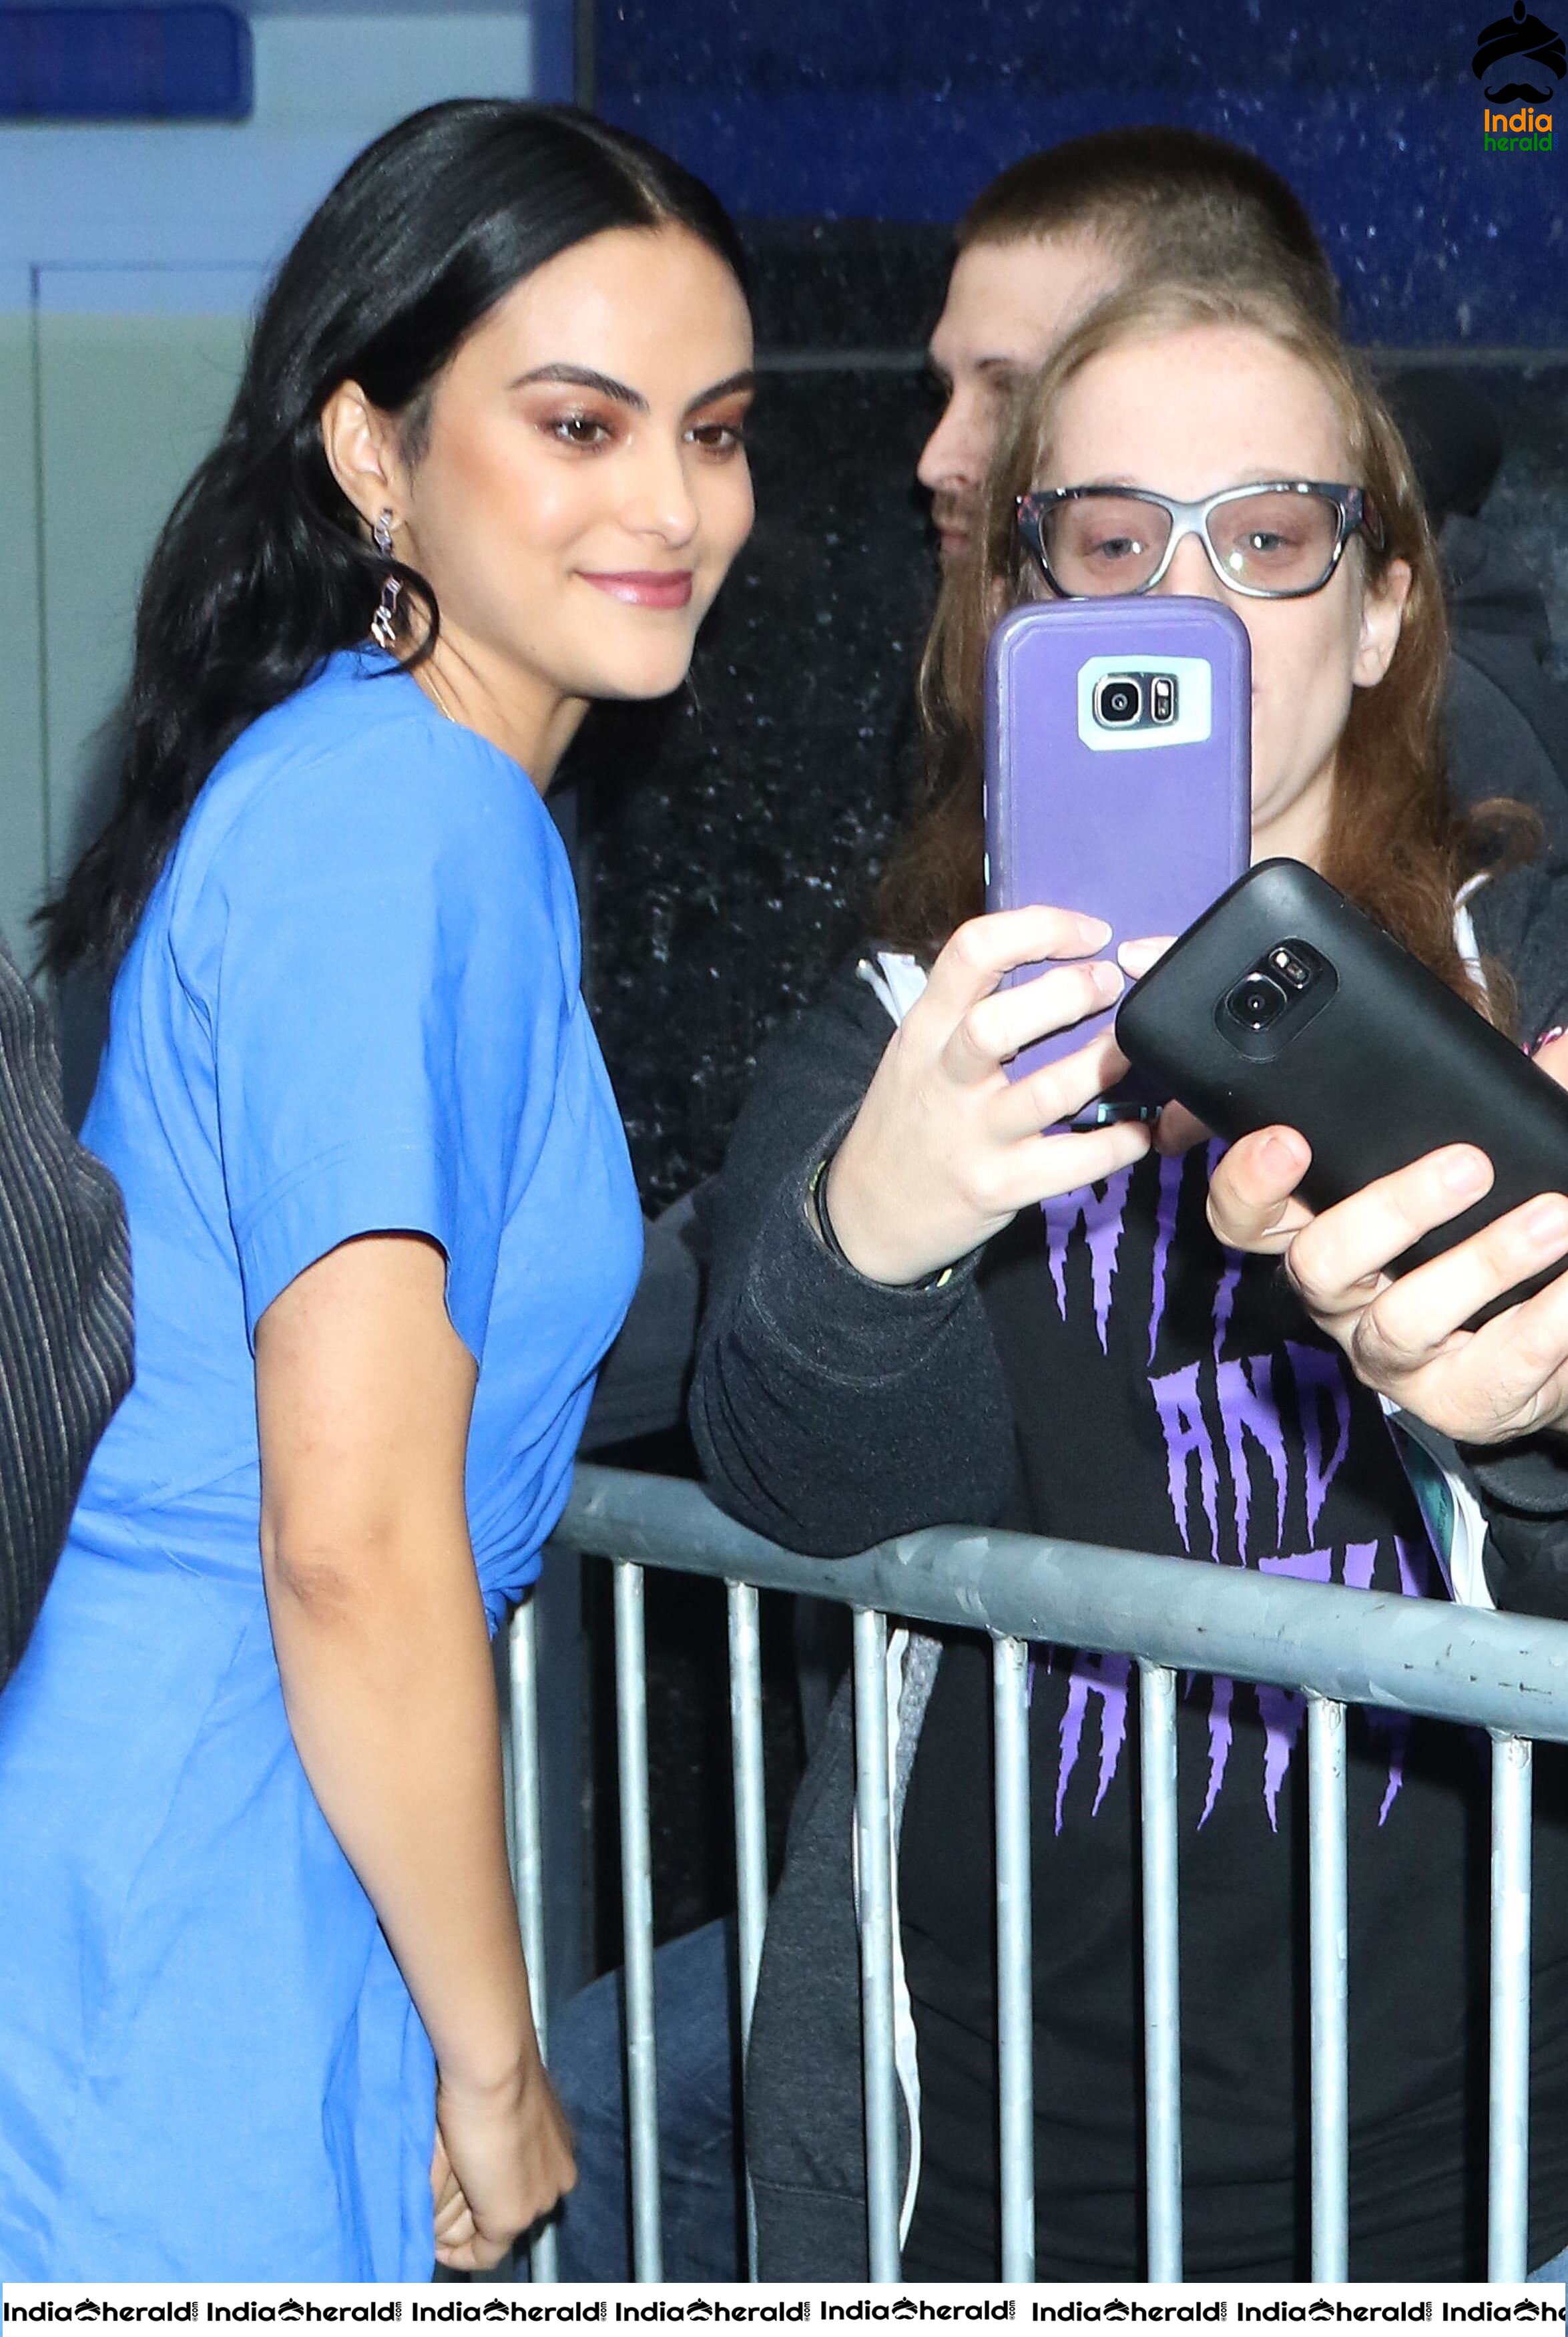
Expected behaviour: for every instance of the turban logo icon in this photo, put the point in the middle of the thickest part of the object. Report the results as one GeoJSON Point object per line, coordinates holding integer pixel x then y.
{"type": "Point", "coordinates": [1525, 38]}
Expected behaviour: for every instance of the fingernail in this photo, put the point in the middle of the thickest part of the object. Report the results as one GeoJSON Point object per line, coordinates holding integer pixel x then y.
{"type": "Point", "coordinates": [1094, 931]}
{"type": "Point", "coordinates": [1276, 1154]}
{"type": "Point", "coordinates": [1466, 1172]}
{"type": "Point", "coordinates": [1105, 978]}
{"type": "Point", "coordinates": [1546, 1223]}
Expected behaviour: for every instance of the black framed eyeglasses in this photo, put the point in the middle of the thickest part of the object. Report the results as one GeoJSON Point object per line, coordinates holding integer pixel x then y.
{"type": "Point", "coordinates": [1276, 541]}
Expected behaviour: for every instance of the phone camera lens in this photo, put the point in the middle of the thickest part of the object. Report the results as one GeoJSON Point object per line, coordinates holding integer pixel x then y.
{"type": "Point", "coordinates": [1118, 700]}
{"type": "Point", "coordinates": [1256, 1002]}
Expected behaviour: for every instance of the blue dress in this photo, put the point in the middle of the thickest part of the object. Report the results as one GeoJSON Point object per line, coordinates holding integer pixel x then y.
{"type": "Point", "coordinates": [351, 1005]}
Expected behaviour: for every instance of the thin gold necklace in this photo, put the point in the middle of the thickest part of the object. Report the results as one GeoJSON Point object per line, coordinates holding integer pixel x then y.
{"type": "Point", "coordinates": [434, 689]}
{"type": "Point", "coordinates": [430, 683]}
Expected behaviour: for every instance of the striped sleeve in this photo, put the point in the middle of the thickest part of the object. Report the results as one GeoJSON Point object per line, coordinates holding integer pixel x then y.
{"type": "Point", "coordinates": [65, 1327]}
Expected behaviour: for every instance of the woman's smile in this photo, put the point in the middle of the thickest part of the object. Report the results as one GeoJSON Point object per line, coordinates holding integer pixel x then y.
{"type": "Point", "coordinates": [644, 587]}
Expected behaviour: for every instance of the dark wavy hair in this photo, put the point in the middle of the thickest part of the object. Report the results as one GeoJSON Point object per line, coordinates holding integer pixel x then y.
{"type": "Point", "coordinates": [263, 568]}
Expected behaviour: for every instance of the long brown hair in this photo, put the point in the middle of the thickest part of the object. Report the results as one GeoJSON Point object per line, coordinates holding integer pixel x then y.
{"type": "Point", "coordinates": [1396, 844]}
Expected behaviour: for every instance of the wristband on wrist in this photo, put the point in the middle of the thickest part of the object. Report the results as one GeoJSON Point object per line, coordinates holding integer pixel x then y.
{"type": "Point", "coordinates": [816, 1196]}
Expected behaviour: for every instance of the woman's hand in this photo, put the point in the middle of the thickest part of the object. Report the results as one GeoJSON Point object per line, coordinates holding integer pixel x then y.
{"type": "Point", "coordinates": [946, 1149]}
{"type": "Point", "coordinates": [502, 2159]}
{"type": "Point", "coordinates": [1406, 1338]}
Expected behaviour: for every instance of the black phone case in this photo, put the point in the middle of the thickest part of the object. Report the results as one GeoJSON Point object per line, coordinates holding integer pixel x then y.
{"type": "Point", "coordinates": [1389, 1066]}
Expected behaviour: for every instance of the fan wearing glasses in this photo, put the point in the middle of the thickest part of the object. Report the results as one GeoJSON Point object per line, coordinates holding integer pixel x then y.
{"type": "Point", "coordinates": [929, 1306]}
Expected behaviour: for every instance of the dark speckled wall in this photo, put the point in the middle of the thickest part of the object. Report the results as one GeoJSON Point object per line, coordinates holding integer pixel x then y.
{"type": "Point", "coordinates": [904, 109]}
{"type": "Point", "coordinates": [735, 827]}
{"type": "Point", "coordinates": [733, 832]}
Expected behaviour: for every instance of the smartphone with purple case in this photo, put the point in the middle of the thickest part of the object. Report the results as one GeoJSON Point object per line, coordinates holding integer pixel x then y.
{"type": "Point", "coordinates": [1118, 763]}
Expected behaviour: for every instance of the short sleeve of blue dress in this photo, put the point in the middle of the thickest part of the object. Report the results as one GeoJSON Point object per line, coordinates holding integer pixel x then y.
{"type": "Point", "coordinates": [390, 973]}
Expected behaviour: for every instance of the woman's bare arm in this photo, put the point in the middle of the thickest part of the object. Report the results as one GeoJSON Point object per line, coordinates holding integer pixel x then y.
{"type": "Point", "coordinates": [363, 1393]}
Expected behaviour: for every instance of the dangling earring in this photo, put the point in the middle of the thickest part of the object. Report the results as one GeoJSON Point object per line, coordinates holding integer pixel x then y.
{"type": "Point", "coordinates": [384, 624]}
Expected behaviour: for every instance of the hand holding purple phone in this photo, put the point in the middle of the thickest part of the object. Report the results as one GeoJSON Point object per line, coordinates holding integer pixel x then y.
{"type": "Point", "coordinates": [947, 1147]}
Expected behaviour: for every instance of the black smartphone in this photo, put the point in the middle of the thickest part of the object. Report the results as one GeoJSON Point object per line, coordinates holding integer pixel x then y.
{"type": "Point", "coordinates": [1284, 1004]}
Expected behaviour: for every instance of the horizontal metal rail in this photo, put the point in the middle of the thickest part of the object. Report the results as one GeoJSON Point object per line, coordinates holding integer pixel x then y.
{"type": "Point", "coordinates": [1503, 1672]}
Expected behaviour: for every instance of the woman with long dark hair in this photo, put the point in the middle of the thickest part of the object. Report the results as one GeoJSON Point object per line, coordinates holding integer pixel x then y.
{"type": "Point", "coordinates": [929, 1303]}
{"type": "Point", "coordinates": [263, 2006]}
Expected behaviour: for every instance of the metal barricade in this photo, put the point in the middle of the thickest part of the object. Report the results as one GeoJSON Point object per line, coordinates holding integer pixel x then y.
{"type": "Point", "coordinates": [1506, 1675]}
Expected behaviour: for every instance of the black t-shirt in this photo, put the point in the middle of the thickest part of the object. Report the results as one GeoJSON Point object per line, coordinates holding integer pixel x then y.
{"type": "Point", "coordinates": [1170, 1396]}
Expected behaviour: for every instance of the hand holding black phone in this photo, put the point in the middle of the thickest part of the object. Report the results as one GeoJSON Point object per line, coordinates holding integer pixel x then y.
{"type": "Point", "coordinates": [1285, 1006]}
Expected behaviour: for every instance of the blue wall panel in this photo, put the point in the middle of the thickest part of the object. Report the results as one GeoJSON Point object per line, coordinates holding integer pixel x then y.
{"type": "Point", "coordinates": [556, 64]}
{"type": "Point", "coordinates": [184, 63]}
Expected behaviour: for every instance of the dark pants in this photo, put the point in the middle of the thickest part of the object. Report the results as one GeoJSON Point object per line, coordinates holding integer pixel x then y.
{"type": "Point", "coordinates": [701, 2186]}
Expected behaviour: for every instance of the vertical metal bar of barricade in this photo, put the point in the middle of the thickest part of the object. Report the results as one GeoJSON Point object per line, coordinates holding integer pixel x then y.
{"type": "Point", "coordinates": [637, 1915]}
{"type": "Point", "coordinates": [1329, 1921]}
{"type": "Point", "coordinates": [525, 1825]}
{"type": "Point", "coordinates": [1162, 1970]}
{"type": "Point", "coordinates": [1508, 2164]}
{"type": "Point", "coordinates": [1015, 1955]}
{"type": "Point", "coordinates": [750, 1820]}
{"type": "Point", "coordinates": [873, 1847]}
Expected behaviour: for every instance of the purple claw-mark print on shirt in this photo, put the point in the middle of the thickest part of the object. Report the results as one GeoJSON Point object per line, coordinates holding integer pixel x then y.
{"type": "Point", "coordinates": [1099, 1214]}
{"type": "Point", "coordinates": [1323, 1400]}
{"type": "Point", "coordinates": [1170, 1173]}
{"type": "Point", "coordinates": [1105, 1676]}
{"type": "Point", "coordinates": [1246, 1392]}
{"type": "Point", "coordinates": [1223, 1429]}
